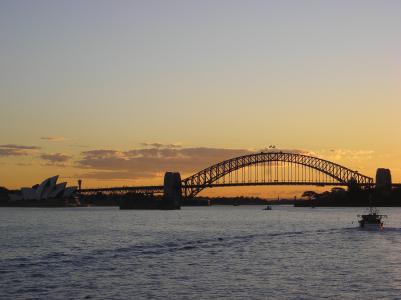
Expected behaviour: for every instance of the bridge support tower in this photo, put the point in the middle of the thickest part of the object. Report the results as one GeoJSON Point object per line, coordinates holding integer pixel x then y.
{"type": "Point", "coordinates": [383, 181]}
{"type": "Point", "coordinates": [172, 191]}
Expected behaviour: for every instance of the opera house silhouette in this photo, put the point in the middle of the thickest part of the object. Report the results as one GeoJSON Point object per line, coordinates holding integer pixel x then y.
{"type": "Point", "coordinates": [47, 190]}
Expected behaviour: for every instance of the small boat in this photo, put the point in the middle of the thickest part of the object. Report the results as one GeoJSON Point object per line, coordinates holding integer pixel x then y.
{"type": "Point", "coordinates": [269, 207]}
{"type": "Point", "coordinates": [373, 220]}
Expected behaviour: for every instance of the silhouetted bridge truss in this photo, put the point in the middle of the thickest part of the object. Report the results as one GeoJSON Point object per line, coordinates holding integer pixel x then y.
{"type": "Point", "coordinates": [272, 168]}
{"type": "Point", "coordinates": [265, 168]}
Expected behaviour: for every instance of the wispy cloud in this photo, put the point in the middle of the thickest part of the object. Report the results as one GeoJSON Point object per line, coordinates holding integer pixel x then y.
{"type": "Point", "coordinates": [53, 138]}
{"type": "Point", "coordinates": [155, 159]}
{"type": "Point", "coordinates": [20, 147]}
{"type": "Point", "coordinates": [55, 158]}
{"type": "Point", "coordinates": [17, 150]}
{"type": "Point", "coordinates": [160, 145]}
{"type": "Point", "coordinates": [151, 161]}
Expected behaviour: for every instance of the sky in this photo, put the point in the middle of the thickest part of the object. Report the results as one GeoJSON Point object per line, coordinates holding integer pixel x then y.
{"type": "Point", "coordinates": [118, 92]}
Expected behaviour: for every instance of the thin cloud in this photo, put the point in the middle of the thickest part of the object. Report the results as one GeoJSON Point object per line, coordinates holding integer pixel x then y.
{"type": "Point", "coordinates": [55, 158]}
{"type": "Point", "coordinates": [17, 150]}
{"type": "Point", "coordinates": [53, 138]}
{"type": "Point", "coordinates": [154, 160]}
{"type": "Point", "coordinates": [19, 147]}
{"type": "Point", "coordinates": [59, 165]}
{"type": "Point", "coordinates": [159, 145]}
{"type": "Point", "coordinates": [151, 162]}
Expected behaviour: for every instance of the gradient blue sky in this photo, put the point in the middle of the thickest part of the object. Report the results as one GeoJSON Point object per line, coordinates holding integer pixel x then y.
{"type": "Point", "coordinates": [314, 75]}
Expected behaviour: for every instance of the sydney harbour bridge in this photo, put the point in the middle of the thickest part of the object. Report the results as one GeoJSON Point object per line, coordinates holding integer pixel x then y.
{"type": "Point", "coordinates": [264, 168]}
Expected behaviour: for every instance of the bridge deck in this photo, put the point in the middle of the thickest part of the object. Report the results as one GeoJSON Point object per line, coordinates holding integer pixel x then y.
{"type": "Point", "coordinates": [134, 189]}
{"type": "Point", "coordinates": [158, 189]}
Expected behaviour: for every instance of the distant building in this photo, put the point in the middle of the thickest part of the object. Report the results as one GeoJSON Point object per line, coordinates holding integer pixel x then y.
{"type": "Point", "coordinates": [48, 189]}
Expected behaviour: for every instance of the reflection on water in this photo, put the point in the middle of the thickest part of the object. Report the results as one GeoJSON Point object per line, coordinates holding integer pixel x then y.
{"type": "Point", "coordinates": [199, 252]}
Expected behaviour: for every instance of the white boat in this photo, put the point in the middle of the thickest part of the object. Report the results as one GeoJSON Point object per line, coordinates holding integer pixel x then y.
{"type": "Point", "coordinates": [373, 220]}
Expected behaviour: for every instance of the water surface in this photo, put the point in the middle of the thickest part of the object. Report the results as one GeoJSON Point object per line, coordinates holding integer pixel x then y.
{"type": "Point", "coordinates": [197, 253]}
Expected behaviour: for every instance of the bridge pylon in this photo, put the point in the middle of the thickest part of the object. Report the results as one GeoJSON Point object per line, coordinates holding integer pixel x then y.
{"type": "Point", "coordinates": [383, 181]}
{"type": "Point", "coordinates": [172, 191]}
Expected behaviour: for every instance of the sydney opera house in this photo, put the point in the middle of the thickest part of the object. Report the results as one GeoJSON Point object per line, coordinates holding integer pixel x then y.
{"type": "Point", "coordinates": [49, 189]}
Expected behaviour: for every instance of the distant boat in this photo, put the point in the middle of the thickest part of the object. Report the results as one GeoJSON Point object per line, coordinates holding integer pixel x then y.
{"type": "Point", "coordinates": [373, 220]}
{"type": "Point", "coordinates": [268, 207]}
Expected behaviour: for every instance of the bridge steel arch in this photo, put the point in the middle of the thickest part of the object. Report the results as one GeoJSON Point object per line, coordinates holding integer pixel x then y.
{"type": "Point", "coordinates": [194, 184]}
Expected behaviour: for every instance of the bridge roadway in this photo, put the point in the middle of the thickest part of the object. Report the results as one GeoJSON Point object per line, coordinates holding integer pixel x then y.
{"type": "Point", "coordinates": [158, 189]}
{"type": "Point", "coordinates": [151, 189]}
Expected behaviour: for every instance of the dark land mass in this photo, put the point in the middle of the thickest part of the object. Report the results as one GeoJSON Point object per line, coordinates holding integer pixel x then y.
{"type": "Point", "coordinates": [353, 197]}
{"type": "Point", "coordinates": [336, 197]}
{"type": "Point", "coordinates": [143, 201]}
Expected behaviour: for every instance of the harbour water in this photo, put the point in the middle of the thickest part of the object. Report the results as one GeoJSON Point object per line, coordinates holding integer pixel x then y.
{"type": "Point", "coordinates": [219, 252]}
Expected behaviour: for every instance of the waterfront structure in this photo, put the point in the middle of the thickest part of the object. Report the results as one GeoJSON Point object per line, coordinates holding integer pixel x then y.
{"type": "Point", "coordinates": [48, 189]}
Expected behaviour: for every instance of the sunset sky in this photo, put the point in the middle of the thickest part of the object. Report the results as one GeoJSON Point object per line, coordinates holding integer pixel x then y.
{"type": "Point", "coordinates": [118, 92]}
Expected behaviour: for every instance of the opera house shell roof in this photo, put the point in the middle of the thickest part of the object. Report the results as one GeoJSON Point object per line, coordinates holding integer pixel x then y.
{"type": "Point", "coordinates": [48, 189]}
